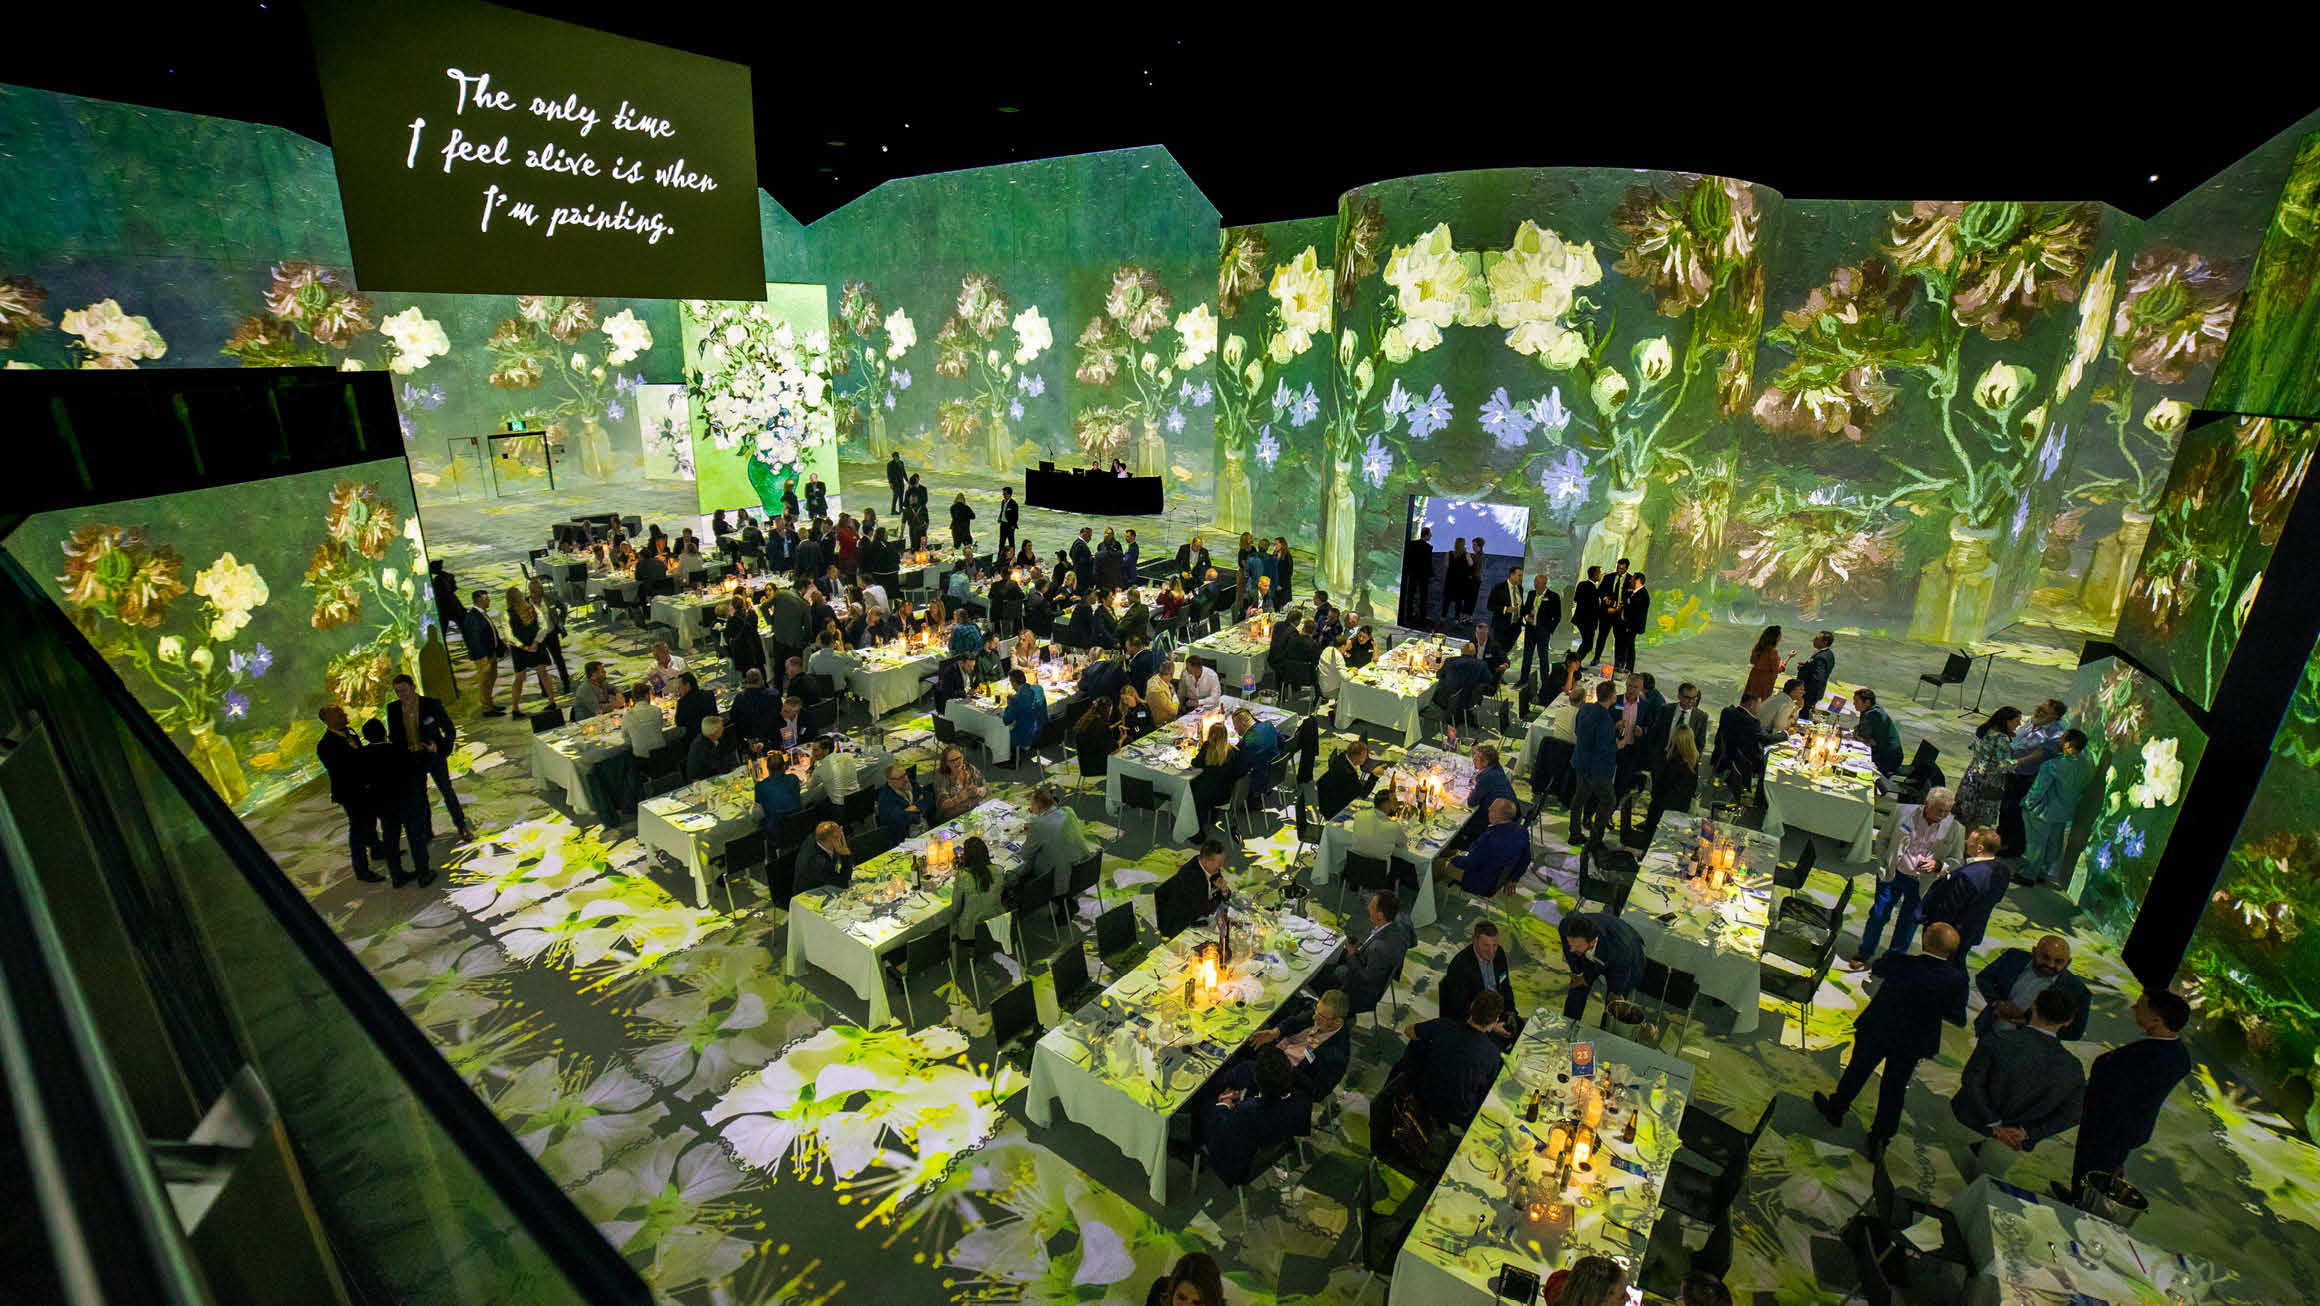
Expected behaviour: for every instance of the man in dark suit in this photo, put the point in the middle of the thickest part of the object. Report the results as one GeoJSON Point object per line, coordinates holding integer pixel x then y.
{"type": "Point", "coordinates": [694, 704]}
{"type": "Point", "coordinates": [817, 496]}
{"type": "Point", "coordinates": [1461, 679]}
{"type": "Point", "coordinates": [1480, 967]}
{"type": "Point", "coordinates": [1192, 563]}
{"type": "Point", "coordinates": [755, 710]}
{"type": "Point", "coordinates": [1587, 610]}
{"type": "Point", "coordinates": [2015, 977]}
{"type": "Point", "coordinates": [1740, 739]}
{"type": "Point", "coordinates": [895, 479]}
{"type": "Point", "coordinates": [1542, 612]}
{"type": "Point", "coordinates": [1598, 946]}
{"type": "Point", "coordinates": [1500, 854]}
{"type": "Point", "coordinates": [1348, 779]}
{"type": "Point", "coordinates": [1965, 897]}
{"type": "Point", "coordinates": [1143, 662]}
{"type": "Point", "coordinates": [485, 647]}
{"type": "Point", "coordinates": [1453, 1062]}
{"type": "Point", "coordinates": [1506, 604]}
{"type": "Point", "coordinates": [1317, 1043]}
{"type": "Point", "coordinates": [2021, 1084]}
{"type": "Point", "coordinates": [423, 731]}
{"type": "Point", "coordinates": [1192, 894]}
{"type": "Point", "coordinates": [1010, 514]}
{"type": "Point", "coordinates": [1417, 577]}
{"type": "Point", "coordinates": [2127, 1087]}
{"type": "Point", "coordinates": [791, 627]}
{"type": "Point", "coordinates": [1634, 613]}
{"type": "Point", "coordinates": [711, 752]}
{"type": "Point", "coordinates": [1686, 712]}
{"type": "Point", "coordinates": [1243, 1124]}
{"type": "Point", "coordinates": [398, 796]}
{"type": "Point", "coordinates": [338, 753]}
{"type": "Point", "coordinates": [1900, 1027]}
{"type": "Point", "coordinates": [825, 862]}
{"type": "Point", "coordinates": [1083, 559]}
{"type": "Point", "coordinates": [1365, 969]}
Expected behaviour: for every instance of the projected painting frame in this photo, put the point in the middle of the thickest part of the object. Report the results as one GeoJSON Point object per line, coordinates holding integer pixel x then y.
{"type": "Point", "coordinates": [2142, 751]}
{"type": "Point", "coordinates": [232, 614]}
{"type": "Point", "coordinates": [765, 411]}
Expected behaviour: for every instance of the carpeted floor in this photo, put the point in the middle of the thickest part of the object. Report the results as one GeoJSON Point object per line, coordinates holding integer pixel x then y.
{"type": "Point", "coordinates": [564, 974]}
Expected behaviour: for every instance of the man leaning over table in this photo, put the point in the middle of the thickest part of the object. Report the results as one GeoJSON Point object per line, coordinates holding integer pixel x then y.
{"type": "Point", "coordinates": [1601, 950]}
{"type": "Point", "coordinates": [1923, 842]}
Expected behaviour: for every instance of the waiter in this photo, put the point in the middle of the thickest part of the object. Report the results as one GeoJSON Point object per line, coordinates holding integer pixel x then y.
{"type": "Point", "coordinates": [1010, 512]}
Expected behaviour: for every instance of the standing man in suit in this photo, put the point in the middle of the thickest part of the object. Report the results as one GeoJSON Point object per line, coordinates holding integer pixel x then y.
{"type": "Point", "coordinates": [2126, 1089]}
{"type": "Point", "coordinates": [1599, 946]}
{"type": "Point", "coordinates": [2014, 979]}
{"type": "Point", "coordinates": [1192, 563]}
{"type": "Point", "coordinates": [423, 731]}
{"type": "Point", "coordinates": [1687, 712]}
{"type": "Point", "coordinates": [1506, 603]}
{"type": "Point", "coordinates": [1083, 558]}
{"type": "Point", "coordinates": [1815, 673]}
{"type": "Point", "coordinates": [896, 479]}
{"type": "Point", "coordinates": [817, 496]}
{"type": "Point", "coordinates": [399, 798]}
{"type": "Point", "coordinates": [1964, 898]}
{"type": "Point", "coordinates": [2021, 1085]}
{"type": "Point", "coordinates": [1634, 612]}
{"type": "Point", "coordinates": [1417, 577]}
{"type": "Point", "coordinates": [792, 630]}
{"type": "Point", "coordinates": [1587, 609]}
{"type": "Point", "coordinates": [1542, 612]}
{"type": "Point", "coordinates": [1900, 1027]}
{"type": "Point", "coordinates": [552, 612]}
{"type": "Point", "coordinates": [1609, 592]}
{"type": "Point", "coordinates": [1594, 763]}
{"type": "Point", "coordinates": [1364, 970]}
{"type": "Point", "coordinates": [484, 647]}
{"type": "Point", "coordinates": [349, 788]}
{"type": "Point", "coordinates": [1010, 515]}
{"type": "Point", "coordinates": [1480, 967]}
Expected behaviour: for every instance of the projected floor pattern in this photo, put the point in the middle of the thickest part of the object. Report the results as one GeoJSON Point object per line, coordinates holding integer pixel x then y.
{"type": "Point", "coordinates": [652, 1055]}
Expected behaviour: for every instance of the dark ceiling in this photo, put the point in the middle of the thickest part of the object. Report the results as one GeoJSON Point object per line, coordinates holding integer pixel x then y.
{"type": "Point", "coordinates": [1274, 122]}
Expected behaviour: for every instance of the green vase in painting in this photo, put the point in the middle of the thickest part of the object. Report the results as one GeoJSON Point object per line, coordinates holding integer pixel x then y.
{"type": "Point", "coordinates": [1151, 452]}
{"type": "Point", "coordinates": [1954, 591]}
{"type": "Point", "coordinates": [214, 758]}
{"type": "Point", "coordinates": [877, 427]}
{"type": "Point", "coordinates": [766, 479]}
{"type": "Point", "coordinates": [595, 448]}
{"type": "Point", "coordinates": [1232, 492]}
{"type": "Point", "coordinates": [1337, 525]}
{"type": "Point", "coordinates": [999, 449]}
{"type": "Point", "coordinates": [2112, 568]}
{"type": "Point", "coordinates": [1621, 534]}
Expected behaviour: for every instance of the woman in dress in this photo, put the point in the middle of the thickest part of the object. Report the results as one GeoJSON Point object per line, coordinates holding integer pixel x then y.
{"type": "Point", "coordinates": [1765, 663]}
{"type": "Point", "coordinates": [958, 787]}
{"type": "Point", "coordinates": [526, 650]}
{"type": "Point", "coordinates": [974, 890]}
{"type": "Point", "coordinates": [962, 519]}
{"type": "Point", "coordinates": [1983, 788]}
{"type": "Point", "coordinates": [1284, 567]}
{"type": "Point", "coordinates": [1455, 572]}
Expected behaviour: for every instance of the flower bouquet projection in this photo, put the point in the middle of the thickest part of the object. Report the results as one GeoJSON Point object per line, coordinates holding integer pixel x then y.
{"type": "Point", "coordinates": [1300, 311]}
{"type": "Point", "coordinates": [104, 337]}
{"type": "Point", "coordinates": [1945, 271]}
{"type": "Point", "coordinates": [554, 336]}
{"type": "Point", "coordinates": [314, 317]}
{"type": "Point", "coordinates": [2141, 751]}
{"type": "Point", "coordinates": [980, 344]}
{"type": "Point", "coordinates": [2211, 537]}
{"type": "Point", "coordinates": [1125, 353]}
{"type": "Point", "coordinates": [763, 389]}
{"type": "Point", "coordinates": [196, 646]}
{"type": "Point", "coordinates": [2170, 324]}
{"type": "Point", "coordinates": [869, 348]}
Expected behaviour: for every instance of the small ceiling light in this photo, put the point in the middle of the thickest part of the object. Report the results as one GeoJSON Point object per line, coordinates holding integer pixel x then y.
{"type": "Point", "coordinates": [2154, 176]}
{"type": "Point", "coordinates": [882, 149]}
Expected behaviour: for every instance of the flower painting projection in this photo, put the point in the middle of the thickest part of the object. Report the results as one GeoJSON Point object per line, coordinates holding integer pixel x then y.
{"type": "Point", "coordinates": [2141, 750]}
{"type": "Point", "coordinates": [765, 414]}
{"type": "Point", "coordinates": [232, 614]}
{"type": "Point", "coordinates": [1576, 342]}
{"type": "Point", "coordinates": [2212, 533]}
{"type": "Point", "coordinates": [1276, 301]}
{"type": "Point", "coordinates": [988, 319]}
{"type": "Point", "coordinates": [2272, 364]}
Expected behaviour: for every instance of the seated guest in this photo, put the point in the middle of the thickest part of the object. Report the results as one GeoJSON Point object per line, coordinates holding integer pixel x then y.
{"type": "Point", "coordinates": [1171, 601]}
{"type": "Point", "coordinates": [756, 710]}
{"type": "Point", "coordinates": [1298, 661]}
{"type": "Point", "coordinates": [1202, 691]}
{"type": "Point", "coordinates": [1329, 672]}
{"type": "Point", "coordinates": [1378, 830]}
{"type": "Point", "coordinates": [789, 730]}
{"type": "Point", "coordinates": [1778, 713]}
{"type": "Point", "coordinates": [1740, 741]}
{"type": "Point", "coordinates": [1490, 779]}
{"type": "Point", "coordinates": [990, 663]}
{"type": "Point", "coordinates": [1501, 853]}
{"type": "Point", "coordinates": [1365, 969]}
{"type": "Point", "coordinates": [711, 753]}
{"type": "Point", "coordinates": [779, 795]}
{"type": "Point", "coordinates": [665, 668]}
{"type": "Point", "coordinates": [825, 862]}
{"type": "Point", "coordinates": [1243, 1124]}
{"type": "Point", "coordinates": [1348, 779]}
{"type": "Point", "coordinates": [1198, 888]}
{"type": "Point", "coordinates": [651, 572]}
{"type": "Point", "coordinates": [2014, 978]}
{"type": "Point", "coordinates": [594, 696]}
{"type": "Point", "coordinates": [1096, 735]}
{"type": "Point", "coordinates": [958, 787]}
{"type": "Point", "coordinates": [1260, 746]}
{"type": "Point", "coordinates": [1143, 660]}
{"type": "Point", "coordinates": [1453, 1062]}
{"type": "Point", "coordinates": [898, 810]}
{"type": "Point", "coordinates": [1598, 946]}
{"type": "Point", "coordinates": [950, 680]}
{"type": "Point", "coordinates": [1023, 654]}
{"type": "Point", "coordinates": [642, 724]}
{"type": "Point", "coordinates": [1461, 679]}
{"type": "Point", "coordinates": [829, 660]}
{"type": "Point", "coordinates": [1480, 967]}
{"type": "Point", "coordinates": [1102, 679]}
{"type": "Point", "coordinates": [1054, 840]}
{"type": "Point", "coordinates": [1160, 693]}
{"type": "Point", "coordinates": [834, 772]}
{"type": "Point", "coordinates": [1877, 730]}
{"type": "Point", "coordinates": [1026, 712]}
{"type": "Point", "coordinates": [1218, 765]}
{"type": "Point", "coordinates": [807, 692]}
{"type": "Point", "coordinates": [1318, 1045]}
{"type": "Point", "coordinates": [1135, 720]}
{"type": "Point", "coordinates": [974, 890]}
{"type": "Point", "coordinates": [1360, 644]}
{"type": "Point", "coordinates": [2021, 1085]}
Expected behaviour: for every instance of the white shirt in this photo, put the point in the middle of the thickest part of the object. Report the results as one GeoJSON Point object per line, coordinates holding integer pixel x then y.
{"type": "Point", "coordinates": [1563, 721]}
{"type": "Point", "coordinates": [830, 662]}
{"type": "Point", "coordinates": [1332, 671]}
{"type": "Point", "coordinates": [1201, 689]}
{"type": "Point", "coordinates": [644, 727]}
{"type": "Point", "coordinates": [2028, 987]}
{"type": "Point", "coordinates": [836, 775]}
{"type": "Point", "coordinates": [1777, 714]}
{"type": "Point", "coordinates": [690, 564]}
{"type": "Point", "coordinates": [875, 595]}
{"type": "Point", "coordinates": [1375, 836]}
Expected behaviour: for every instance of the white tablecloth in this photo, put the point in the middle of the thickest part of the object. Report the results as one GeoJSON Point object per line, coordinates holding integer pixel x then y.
{"type": "Point", "coordinates": [1237, 651]}
{"type": "Point", "coordinates": [686, 612]}
{"type": "Point", "coordinates": [840, 932]}
{"type": "Point", "coordinates": [1150, 758]}
{"type": "Point", "coordinates": [1843, 807]}
{"type": "Point", "coordinates": [888, 684]}
{"type": "Point", "coordinates": [1471, 1225]}
{"type": "Point", "coordinates": [982, 718]}
{"type": "Point", "coordinates": [1715, 937]}
{"type": "Point", "coordinates": [562, 757]}
{"type": "Point", "coordinates": [1426, 837]}
{"type": "Point", "coordinates": [693, 824]}
{"type": "Point", "coordinates": [1104, 1082]}
{"type": "Point", "coordinates": [1387, 697]}
{"type": "Point", "coordinates": [2034, 1250]}
{"type": "Point", "coordinates": [612, 584]}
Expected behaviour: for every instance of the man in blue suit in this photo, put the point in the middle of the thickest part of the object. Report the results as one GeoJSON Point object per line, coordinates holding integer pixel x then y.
{"type": "Point", "coordinates": [1243, 1125]}
{"type": "Point", "coordinates": [1900, 1027]}
{"type": "Point", "coordinates": [1318, 1043]}
{"type": "Point", "coordinates": [1598, 946]}
{"type": "Point", "coordinates": [1594, 763]}
{"type": "Point", "coordinates": [1501, 853]}
{"type": "Point", "coordinates": [1490, 782]}
{"type": "Point", "coordinates": [1965, 897]}
{"type": "Point", "coordinates": [2126, 1089]}
{"type": "Point", "coordinates": [2012, 981]}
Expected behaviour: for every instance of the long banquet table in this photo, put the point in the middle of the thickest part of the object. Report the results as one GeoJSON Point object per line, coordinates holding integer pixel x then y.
{"type": "Point", "coordinates": [1162, 756]}
{"type": "Point", "coordinates": [693, 824]}
{"type": "Point", "coordinates": [1427, 836]}
{"type": "Point", "coordinates": [1716, 935]}
{"type": "Point", "coordinates": [2026, 1249]}
{"type": "Point", "coordinates": [1839, 801]}
{"type": "Point", "coordinates": [1477, 1221]}
{"type": "Point", "coordinates": [1391, 690]}
{"type": "Point", "coordinates": [1134, 1056]}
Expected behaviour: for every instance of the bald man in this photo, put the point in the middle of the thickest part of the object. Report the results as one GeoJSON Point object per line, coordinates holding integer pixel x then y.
{"type": "Point", "coordinates": [1900, 1027]}
{"type": "Point", "coordinates": [2014, 979]}
{"type": "Point", "coordinates": [1498, 856]}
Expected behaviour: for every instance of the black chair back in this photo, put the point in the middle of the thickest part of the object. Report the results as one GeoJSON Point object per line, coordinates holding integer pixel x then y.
{"type": "Point", "coordinates": [821, 718]}
{"type": "Point", "coordinates": [1793, 877]}
{"type": "Point", "coordinates": [547, 718]}
{"type": "Point", "coordinates": [1138, 792]}
{"type": "Point", "coordinates": [1014, 1015]}
{"type": "Point", "coordinates": [1367, 874]}
{"type": "Point", "coordinates": [1070, 973]}
{"type": "Point", "coordinates": [1955, 667]}
{"type": "Point", "coordinates": [1116, 931]}
{"type": "Point", "coordinates": [745, 852]}
{"type": "Point", "coordinates": [1087, 874]}
{"type": "Point", "coordinates": [861, 806]}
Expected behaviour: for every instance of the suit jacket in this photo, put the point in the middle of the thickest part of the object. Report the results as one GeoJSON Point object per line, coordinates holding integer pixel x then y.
{"type": "Point", "coordinates": [1341, 785]}
{"type": "Point", "coordinates": [1010, 512]}
{"type": "Point", "coordinates": [1964, 898]}
{"type": "Point", "coordinates": [1375, 961]}
{"type": "Point", "coordinates": [1905, 1015]}
{"type": "Point", "coordinates": [818, 868]}
{"type": "Point", "coordinates": [1815, 673]}
{"type": "Point", "coordinates": [1663, 726]}
{"type": "Point", "coordinates": [2126, 1089]}
{"type": "Point", "coordinates": [1505, 604]}
{"type": "Point", "coordinates": [1997, 980]}
{"type": "Point", "coordinates": [1464, 982]}
{"type": "Point", "coordinates": [435, 728]}
{"type": "Point", "coordinates": [1237, 1135]}
{"type": "Point", "coordinates": [1455, 1065]}
{"type": "Point", "coordinates": [754, 714]}
{"type": "Point", "coordinates": [1739, 739]}
{"type": "Point", "coordinates": [694, 708]}
{"type": "Point", "coordinates": [481, 635]}
{"type": "Point", "coordinates": [1617, 957]}
{"type": "Point", "coordinates": [1418, 563]}
{"type": "Point", "coordinates": [348, 788]}
{"type": "Point", "coordinates": [1490, 784]}
{"type": "Point", "coordinates": [1586, 611]}
{"type": "Point", "coordinates": [706, 757]}
{"type": "Point", "coordinates": [2021, 1077]}
{"type": "Point", "coordinates": [1498, 854]}
{"type": "Point", "coordinates": [1635, 609]}
{"type": "Point", "coordinates": [1055, 841]}
{"type": "Point", "coordinates": [792, 619]}
{"type": "Point", "coordinates": [1542, 612]}
{"type": "Point", "coordinates": [1083, 562]}
{"type": "Point", "coordinates": [1191, 561]}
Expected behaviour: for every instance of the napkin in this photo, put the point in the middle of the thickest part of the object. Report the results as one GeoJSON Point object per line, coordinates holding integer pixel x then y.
{"type": "Point", "coordinates": [1925, 1235]}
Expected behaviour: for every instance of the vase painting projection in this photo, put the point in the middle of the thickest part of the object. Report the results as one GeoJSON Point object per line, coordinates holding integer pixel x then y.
{"type": "Point", "coordinates": [2272, 363]}
{"type": "Point", "coordinates": [2142, 750]}
{"type": "Point", "coordinates": [232, 614]}
{"type": "Point", "coordinates": [2210, 539]}
{"type": "Point", "coordinates": [764, 407]}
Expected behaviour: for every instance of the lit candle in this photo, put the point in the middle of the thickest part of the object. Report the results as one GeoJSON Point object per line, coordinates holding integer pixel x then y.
{"type": "Point", "coordinates": [1208, 973]}
{"type": "Point", "coordinates": [1582, 1147]}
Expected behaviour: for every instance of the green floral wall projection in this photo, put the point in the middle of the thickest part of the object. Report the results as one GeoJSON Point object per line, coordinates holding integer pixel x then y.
{"type": "Point", "coordinates": [2273, 362]}
{"type": "Point", "coordinates": [2142, 750]}
{"type": "Point", "coordinates": [765, 415]}
{"type": "Point", "coordinates": [233, 615]}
